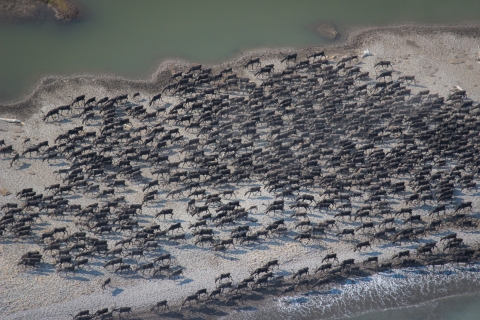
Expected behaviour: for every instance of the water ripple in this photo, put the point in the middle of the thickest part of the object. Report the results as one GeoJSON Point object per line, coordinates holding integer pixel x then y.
{"type": "Point", "coordinates": [386, 290]}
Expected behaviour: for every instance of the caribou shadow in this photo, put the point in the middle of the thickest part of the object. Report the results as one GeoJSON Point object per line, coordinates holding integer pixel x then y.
{"type": "Point", "coordinates": [116, 291]}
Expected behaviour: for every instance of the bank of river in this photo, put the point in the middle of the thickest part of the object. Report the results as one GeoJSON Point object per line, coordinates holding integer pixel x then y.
{"type": "Point", "coordinates": [440, 58]}
{"type": "Point", "coordinates": [438, 64]}
{"type": "Point", "coordinates": [423, 294]}
{"type": "Point", "coordinates": [131, 40]}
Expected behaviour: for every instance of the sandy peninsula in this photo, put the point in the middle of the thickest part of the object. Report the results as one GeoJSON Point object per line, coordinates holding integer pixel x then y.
{"type": "Point", "coordinates": [442, 60]}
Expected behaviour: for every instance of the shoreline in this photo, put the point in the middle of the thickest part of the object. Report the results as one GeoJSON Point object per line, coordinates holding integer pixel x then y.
{"type": "Point", "coordinates": [303, 303]}
{"type": "Point", "coordinates": [51, 90]}
{"type": "Point", "coordinates": [354, 40]}
{"type": "Point", "coordinates": [368, 297]}
{"type": "Point", "coordinates": [263, 303]}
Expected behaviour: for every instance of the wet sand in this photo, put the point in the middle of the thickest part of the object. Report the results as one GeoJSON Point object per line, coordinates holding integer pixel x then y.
{"type": "Point", "coordinates": [439, 57]}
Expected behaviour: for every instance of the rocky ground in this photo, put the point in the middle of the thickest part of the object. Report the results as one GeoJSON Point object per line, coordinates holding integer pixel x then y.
{"type": "Point", "coordinates": [35, 10]}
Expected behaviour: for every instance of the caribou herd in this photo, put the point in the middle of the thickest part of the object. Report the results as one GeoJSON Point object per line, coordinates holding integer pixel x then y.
{"type": "Point", "coordinates": [338, 153]}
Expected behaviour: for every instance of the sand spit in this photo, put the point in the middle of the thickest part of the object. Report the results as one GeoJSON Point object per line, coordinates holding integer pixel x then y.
{"type": "Point", "coordinates": [439, 58]}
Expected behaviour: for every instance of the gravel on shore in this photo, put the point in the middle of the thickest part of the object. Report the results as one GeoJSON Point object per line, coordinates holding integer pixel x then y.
{"type": "Point", "coordinates": [37, 10]}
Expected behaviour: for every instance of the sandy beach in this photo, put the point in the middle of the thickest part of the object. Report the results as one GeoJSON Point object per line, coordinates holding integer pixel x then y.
{"type": "Point", "coordinates": [441, 59]}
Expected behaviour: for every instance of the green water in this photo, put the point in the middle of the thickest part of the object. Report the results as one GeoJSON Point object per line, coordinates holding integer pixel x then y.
{"type": "Point", "coordinates": [451, 308]}
{"type": "Point", "coordinates": [129, 38]}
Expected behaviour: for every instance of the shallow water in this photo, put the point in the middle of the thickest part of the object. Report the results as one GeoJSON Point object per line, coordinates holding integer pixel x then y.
{"type": "Point", "coordinates": [451, 308]}
{"type": "Point", "coordinates": [402, 294]}
{"type": "Point", "coordinates": [130, 40]}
